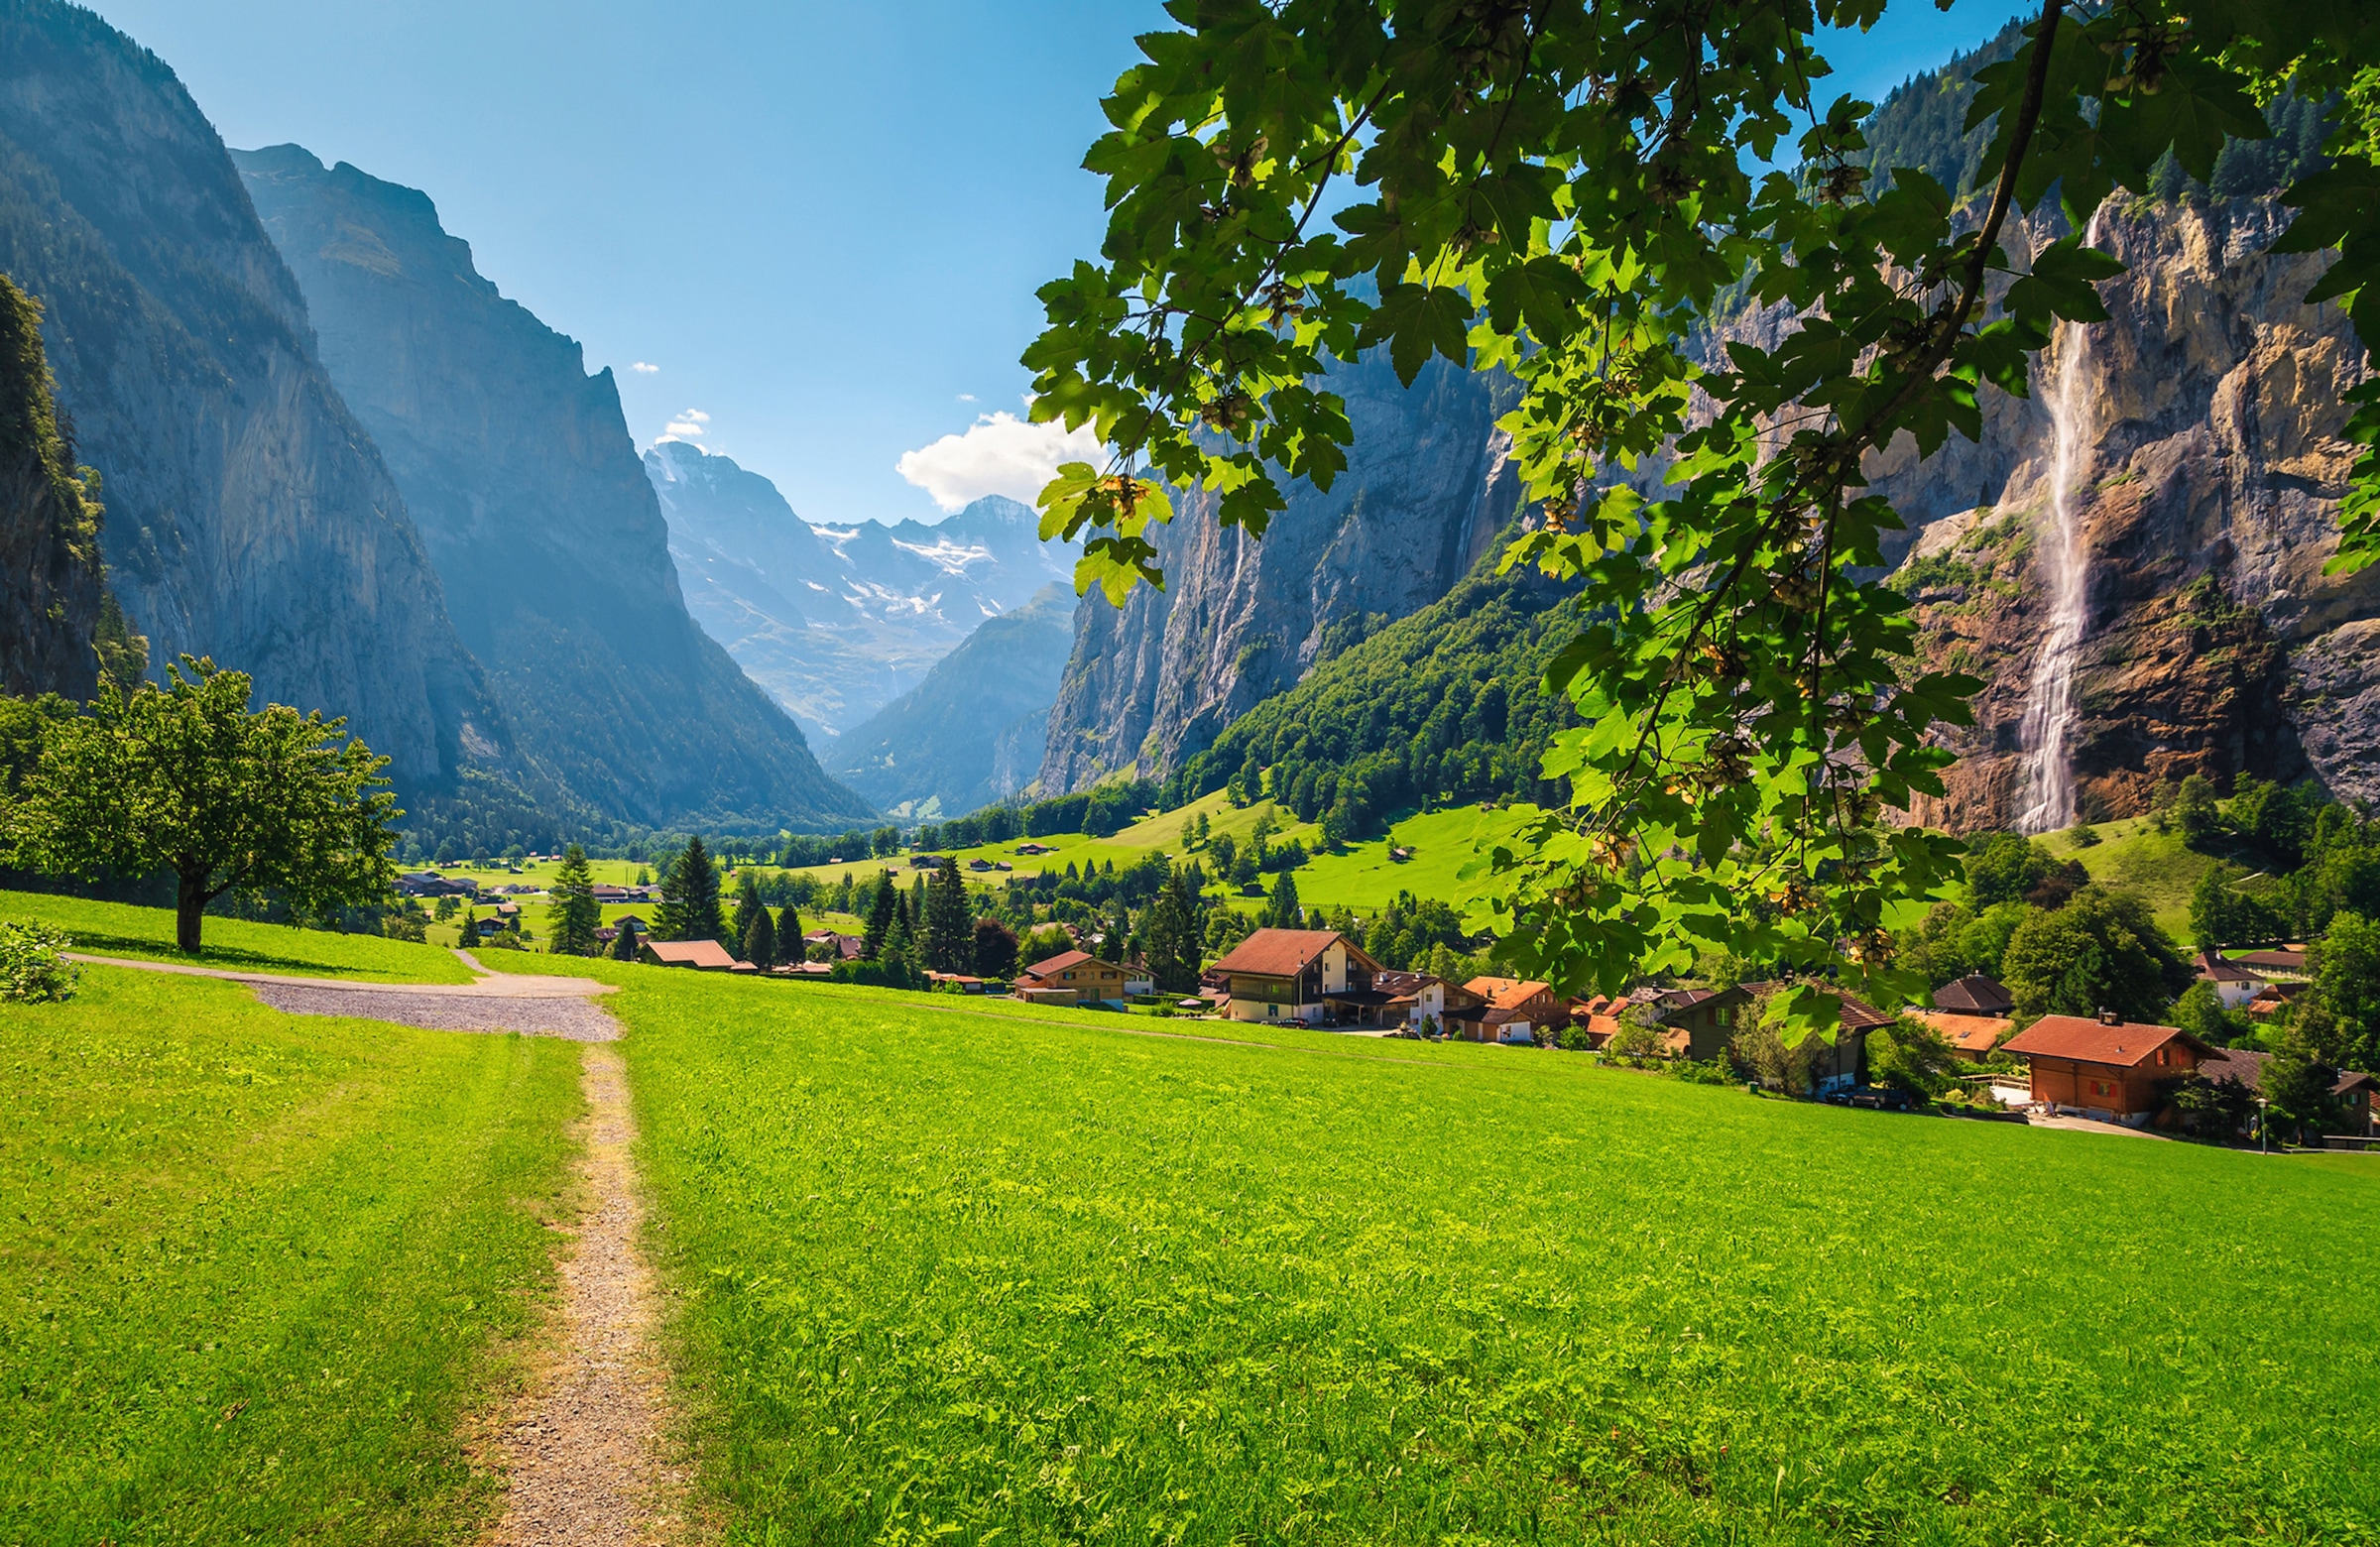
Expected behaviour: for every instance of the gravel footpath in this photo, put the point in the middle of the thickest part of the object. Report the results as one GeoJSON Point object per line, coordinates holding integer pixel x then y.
{"type": "Point", "coordinates": [578, 1019]}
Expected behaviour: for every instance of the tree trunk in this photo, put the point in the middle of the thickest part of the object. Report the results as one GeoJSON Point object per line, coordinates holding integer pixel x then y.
{"type": "Point", "coordinates": [189, 907]}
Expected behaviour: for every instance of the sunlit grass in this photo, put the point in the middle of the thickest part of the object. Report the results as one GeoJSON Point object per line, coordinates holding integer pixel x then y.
{"type": "Point", "coordinates": [1024, 1274]}
{"type": "Point", "coordinates": [235, 944]}
{"type": "Point", "coordinates": [257, 1271]}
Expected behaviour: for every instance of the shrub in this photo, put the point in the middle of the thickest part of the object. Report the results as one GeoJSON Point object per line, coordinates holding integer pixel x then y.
{"type": "Point", "coordinates": [33, 965]}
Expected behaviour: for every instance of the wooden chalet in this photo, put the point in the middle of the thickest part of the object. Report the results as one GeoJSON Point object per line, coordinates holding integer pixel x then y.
{"type": "Point", "coordinates": [1072, 978]}
{"type": "Point", "coordinates": [700, 955]}
{"type": "Point", "coordinates": [1976, 993]}
{"type": "Point", "coordinates": [2108, 1068]}
{"type": "Point", "coordinates": [1309, 975]}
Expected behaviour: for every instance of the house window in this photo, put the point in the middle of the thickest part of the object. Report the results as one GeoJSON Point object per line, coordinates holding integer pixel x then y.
{"type": "Point", "coordinates": [2102, 1088]}
{"type": "Point", "coordinates": [1725, 1014]}
{"type": "Point", "coordinates": [1273, 1011]}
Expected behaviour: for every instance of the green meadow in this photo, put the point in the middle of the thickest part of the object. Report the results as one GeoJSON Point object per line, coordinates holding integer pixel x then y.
{"type": "Point", "coordinates": [958, 1272]}
{"type": "Point", "coordinates": [260, 1275]}
{"type": "Point", "coordinates": [235, 944]}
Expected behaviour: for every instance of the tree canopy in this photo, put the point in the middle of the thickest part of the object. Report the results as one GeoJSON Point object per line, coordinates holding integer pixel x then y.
{"type": "Point", "coordinates": [185, 778]}
{"type": "Point", "coordinates": [1572, 192]}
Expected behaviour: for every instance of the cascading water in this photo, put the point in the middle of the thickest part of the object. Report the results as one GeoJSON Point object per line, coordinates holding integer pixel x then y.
{"type": "Point", "coordinates": [2047, 801]}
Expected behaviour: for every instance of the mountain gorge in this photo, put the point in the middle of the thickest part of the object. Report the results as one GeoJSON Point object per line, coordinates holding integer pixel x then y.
{"type": "Point", "coordinates": [533, 504]}
{"type": "Point", "coordinates": [838, 620]}
{"type": "Point", "coordinates": [248, 514]}
{"type": "Point", "coordinates": [1154, 682]}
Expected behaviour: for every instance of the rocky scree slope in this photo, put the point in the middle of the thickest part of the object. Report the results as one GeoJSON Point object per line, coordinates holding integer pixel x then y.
{"type": "Point", "coordinates": [836, 622]}
{"type": "Point", "coordinates": [530, 499]}
{"type": "Point", "coordinates": [1154, 682]}
{"type": "Point", "coordinates": [249, 516]}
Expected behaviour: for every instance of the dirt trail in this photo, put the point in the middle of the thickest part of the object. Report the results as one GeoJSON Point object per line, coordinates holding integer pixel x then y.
{"type": "Point", "coordinates": [584, 1451]}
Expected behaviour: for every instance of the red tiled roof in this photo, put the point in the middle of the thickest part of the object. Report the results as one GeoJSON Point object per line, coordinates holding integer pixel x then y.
{"type": "Point", "coordinates": [2123, 1045]}
{"type": "Point", "coordinates": [1967, 1034]}
{"type": "Point", "coordinates": [1065, 960]}
{"type": "Point", "coordinates": [2290, 960]}
{"type": "Point", "coordinates": [2214, 969]}
{"type": "Point", "coordinates": [1285, 953]}
{"type": "Point", "coordinates": [708, 955]}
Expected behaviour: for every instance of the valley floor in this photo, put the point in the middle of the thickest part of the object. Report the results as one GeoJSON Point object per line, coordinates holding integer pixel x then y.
{"type": "Point", "coordinates": [986, 1271]}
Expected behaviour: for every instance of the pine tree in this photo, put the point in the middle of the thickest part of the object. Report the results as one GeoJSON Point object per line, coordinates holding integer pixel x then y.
{"type": "Point", "coordinates": [690, 900]}
{"type": "Point", "coordinates": [574, 913]}
{"type": "Point", "coordinates": [882, 913]}
{"type": "Point", "coordinates": [900, 953]}
{"type": "Point", "coordinates": [760, 939]}
{"type": "Point", "coordinates": [1285, 912]}
{"type": "Point", "coordinates": [624, 945]}
{"type": "Point", "coordinates": [948, 925]}
{"type": "Point", "coordinates": [789, 935]}
{"type": "Point", "coordinates": [748, 904]}
{"type": "Point", "coordinates": [1173, 936]}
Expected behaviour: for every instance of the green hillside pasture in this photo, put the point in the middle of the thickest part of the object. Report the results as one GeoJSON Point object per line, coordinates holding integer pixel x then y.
{"type": "Point", "coordinates": [941, 1274]}
{"type": "Point", "coordinates": [256, 1267]}
{"type": "Point", "coordinates": [2132, 856]}
{"type": "Point", "coordinates": [235, 944]}
{"type": "Point", "coordinates": [1362, 877]}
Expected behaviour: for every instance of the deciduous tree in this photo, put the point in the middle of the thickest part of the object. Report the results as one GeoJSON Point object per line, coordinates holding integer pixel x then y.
{"type": "Point", "coordinates": [183, 778]}
{"type": "Point", "coordinates": [1570, 191]}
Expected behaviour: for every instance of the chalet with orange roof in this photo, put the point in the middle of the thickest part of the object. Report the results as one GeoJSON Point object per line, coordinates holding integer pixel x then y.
{"type": "Point", "coordinates": [2108, 1067]}
{"type": "Point", "coordinates": [1972, 1038]}
{"type": "Point", "coordinates": [1072, 978]}
{"type": "Point", "coordinates": [1309, 975]}
{"type": "Point", "coordinates": [1517, 1008]}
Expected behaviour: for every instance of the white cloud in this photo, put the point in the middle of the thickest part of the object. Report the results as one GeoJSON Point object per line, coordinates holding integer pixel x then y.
{"type": "Point", "coordinates": [680, 429]}
{"type": "Point", "coordinates": [642, 369]}
{"type": "Point", "coordinates": [999, 453]}
{"type": "Point", "coordinates": [966, 397]}
{"type": "Point", "coordinates": [698, 415]}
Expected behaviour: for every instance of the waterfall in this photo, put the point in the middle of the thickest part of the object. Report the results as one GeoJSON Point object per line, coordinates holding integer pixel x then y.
{"type": "Point", "coordinates": [2064, 566]}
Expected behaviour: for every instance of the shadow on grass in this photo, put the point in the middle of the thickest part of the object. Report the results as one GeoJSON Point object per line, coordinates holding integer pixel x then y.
{"type": "Point", "coordinates": [225, 957]}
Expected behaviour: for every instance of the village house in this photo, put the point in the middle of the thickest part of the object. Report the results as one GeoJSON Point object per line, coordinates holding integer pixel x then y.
{"type": "Point", "coordinates": [2108, 1068]}
{"type": "Point", "coordinates": [1517, 1009]}
{"type": "Point", "coordinates": [2351, 1093]}
{"type": "Point", "coordinates": [1596, 1018]}
{"type": "Point", "coordinates": [1838, 1064]}
{"type": "Point", "coordinates": [700, 955]}
{"type": "Point", "coordinates": [2234, 984]}
{"type": "Point", "coordinates": [1975, 994]}
{"type": "Point", "coordinates": [2289, 961]}
{"type": "Point", "coordinates": [1972, 1038]}
{"type": "Point", "coordinates": [1072, 978]}
{"type": "Point", "coordinates": [1295, 973]}
{"type": "Point", "coordinates": [1698, 1023]}
{"type": "Point", "coordinates": [2273, 997]}
{"type": "Point", "coordinates": [1429, 1005]}
{"type": "Point", "coordinates": [842, 948]}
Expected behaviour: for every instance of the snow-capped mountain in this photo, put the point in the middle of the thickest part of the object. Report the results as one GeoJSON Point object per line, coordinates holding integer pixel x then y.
{"type": "Point", "coordinates": [837, 620]}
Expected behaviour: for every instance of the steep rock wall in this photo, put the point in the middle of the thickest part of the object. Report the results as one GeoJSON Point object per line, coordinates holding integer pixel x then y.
{"type": "Point", "coordinates": [535, 507]}
{"type": "Point", "coordinates": [2207, 494]}
{"type": "Point", "coordinates": [1155, 681]}
{"type": "Point", "coordinates": [249, 516]}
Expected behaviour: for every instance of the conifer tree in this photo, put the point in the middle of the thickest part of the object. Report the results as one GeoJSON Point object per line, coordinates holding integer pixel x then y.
{"type": "Point", "coordinates": [1173, 936]}
{"type": "Point", "coordinates": [575, 914]}
{"type": "Point", "coordinates": [1285, 912]}
{"type": "Point", "coordinates": [788, 933]}
{"type": "Point", "coordinates": [748, 904]}
{"type": "Point", "coordinates": [624, 945]}
{"type": "Point", "coordinates": [949, 927]}
{"type": "Point", "coordinates": [760, 939]}
{"type": "Point", "coordinates": [994, 948]}
{"type": "Point", "coordinates": [690, 898]}
{"type": "Point", "coordinates": [882, 912]}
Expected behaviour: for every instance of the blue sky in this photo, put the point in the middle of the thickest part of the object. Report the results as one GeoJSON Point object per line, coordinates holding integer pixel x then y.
{"type": "Point", "coordinates": [820, 226]}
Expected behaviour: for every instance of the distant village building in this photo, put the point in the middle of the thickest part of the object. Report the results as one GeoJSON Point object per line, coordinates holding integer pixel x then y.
{"type": "Point", "coordinates": [1072, 978]}
{"type": "Point", "coordinates": [1428, 1004]}
{"type": "Point", "coordinates": [2234, 984]}
{"type": "Point", "coordinates": [2289, 961]}
{"type": "Point", "coordinates": [1976, 993]}
{"type": "Point", "coordinates": [2352, 1091]}
{"type": "Point", "coordinates": [2108, 1068]}
{"type": "Point", "coordinates": [700, 955]}
{"type": "Point", "coordinates": [1972, 1038]}
{"type": "Point", "coordinates": [1295, 973]}
{"type": "Point", "coordinates": [1517, 1008]}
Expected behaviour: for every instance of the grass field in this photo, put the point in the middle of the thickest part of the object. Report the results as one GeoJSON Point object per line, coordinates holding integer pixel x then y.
{"type": "Point", "coordinates": [236, 945]}
{"type": "Point", "coordinates": [257, 1271]}
{"type": "Point", "coordinates": [2132, 856]}
{"type": "Point", "coordinates": [1024, 1278]}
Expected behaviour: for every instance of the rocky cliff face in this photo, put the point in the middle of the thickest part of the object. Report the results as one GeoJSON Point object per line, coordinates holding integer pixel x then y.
{"type": "Point", "coordinates": [519, 472]}
{"type": "Point", "coordinates": [49, 568]}
{"type": "Point", "coordinates": [2205, 494]}
{"type": "Point", "coordinates": [1155, 681]}
{"type": "Point", "coordinates": [837, 622]}
{"type": "Point", "coordinates": [249, 516]}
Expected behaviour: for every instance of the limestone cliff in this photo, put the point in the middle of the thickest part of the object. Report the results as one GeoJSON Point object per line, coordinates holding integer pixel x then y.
{"type": "Point", "coordinates": [1155, 681]}
{"type": "Point", "coordinates": [249, 516]}
{"type": "Point", "coordinates": [2205, 490]}
{"type": "Point", "coordinates": [50, 576]}
{"type": "Point", "coordinates": [530, 495]}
